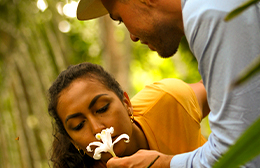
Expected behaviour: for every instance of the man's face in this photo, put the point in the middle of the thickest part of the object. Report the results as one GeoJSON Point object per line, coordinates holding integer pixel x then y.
{"type": "Point", "coordinates": [159, 29]}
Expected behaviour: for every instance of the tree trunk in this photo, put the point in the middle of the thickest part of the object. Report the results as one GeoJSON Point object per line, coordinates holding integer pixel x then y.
{"type": "Point", "coordinates": [116, 52]}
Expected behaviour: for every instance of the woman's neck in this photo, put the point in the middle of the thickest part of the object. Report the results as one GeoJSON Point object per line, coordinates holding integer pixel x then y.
{"type": "Point", "coordinates": [137, 140]}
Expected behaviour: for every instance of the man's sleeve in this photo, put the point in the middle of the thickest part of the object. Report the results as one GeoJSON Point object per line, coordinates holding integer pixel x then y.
{"type": "Point", "coordinates": [223, 50]}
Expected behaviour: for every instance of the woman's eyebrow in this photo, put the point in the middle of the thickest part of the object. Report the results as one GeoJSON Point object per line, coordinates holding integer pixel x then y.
{"type": "Point", "coordinates": [72, 116]}
{"type": "Point", "coordinates": [93, 101]}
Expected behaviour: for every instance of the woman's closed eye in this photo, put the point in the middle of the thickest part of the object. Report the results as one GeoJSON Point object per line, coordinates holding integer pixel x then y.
{"type": "Point", "coordinates": [79, 126]}
{"type": "Point", "coordinates": [103, 109]}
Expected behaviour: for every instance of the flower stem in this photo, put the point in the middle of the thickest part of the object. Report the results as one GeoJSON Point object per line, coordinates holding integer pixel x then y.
{"type": "Point", "coordinates": [113, 153]}
{"type": "Point", "coordinates": [153, 161]}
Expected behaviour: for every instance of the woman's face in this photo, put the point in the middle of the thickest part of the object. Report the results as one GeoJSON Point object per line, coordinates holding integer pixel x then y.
{"type": "Point", "coordinates": [86, 107]}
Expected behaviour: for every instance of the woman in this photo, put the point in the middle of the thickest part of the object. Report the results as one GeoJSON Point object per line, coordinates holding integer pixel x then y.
{"type": "Point", "coordinates": [85, 99]}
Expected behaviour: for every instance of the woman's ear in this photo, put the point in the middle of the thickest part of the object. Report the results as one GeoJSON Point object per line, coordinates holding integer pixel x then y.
{"type": "Point", "coordinates": [147, 2]}
{"type": "Point", "coordinates": [76, 146]}
{"type": "Point", "coordinates": [128, 104]}
{"type": "Point", "coordinates": [81, 151]}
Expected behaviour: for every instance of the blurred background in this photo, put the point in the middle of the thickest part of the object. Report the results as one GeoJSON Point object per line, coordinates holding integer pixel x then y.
{"type": "Point", "coordinates": [39, 39]}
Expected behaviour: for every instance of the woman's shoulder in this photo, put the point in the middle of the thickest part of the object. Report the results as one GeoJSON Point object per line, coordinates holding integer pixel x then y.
{"type": "Point", "coordinates": [173, 86]}
{"type": "Point", "coordinates": [168, 93]}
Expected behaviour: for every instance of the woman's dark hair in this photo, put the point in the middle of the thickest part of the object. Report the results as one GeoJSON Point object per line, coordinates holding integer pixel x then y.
{"type": "Point", "coordinates": [64, 154]}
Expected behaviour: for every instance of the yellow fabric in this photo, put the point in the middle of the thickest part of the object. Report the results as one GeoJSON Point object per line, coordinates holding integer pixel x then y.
{"type": "Point", "coordinates": [169, 114]}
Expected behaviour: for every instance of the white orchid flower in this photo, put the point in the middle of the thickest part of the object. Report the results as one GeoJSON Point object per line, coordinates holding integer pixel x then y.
{"type": "Point", "coordinates": [107, 145]}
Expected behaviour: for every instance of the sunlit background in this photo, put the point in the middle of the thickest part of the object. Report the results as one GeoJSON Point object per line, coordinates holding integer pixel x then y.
{"type": "Point", "coordinates": [39, 39]}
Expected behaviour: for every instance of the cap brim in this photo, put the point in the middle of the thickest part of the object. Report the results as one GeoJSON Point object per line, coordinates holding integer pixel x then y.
{"type": "Point", "coordinates": [90, 9]}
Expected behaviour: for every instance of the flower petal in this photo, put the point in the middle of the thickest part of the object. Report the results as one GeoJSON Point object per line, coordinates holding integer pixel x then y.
{"type": "Point", "coordinates": [93, 144]}
{"type": "Point", "coordinates": [89, 149]}
{"type": "Point", "coordinates": [107, 137]}
{"type": "Point", "coordinates": [111, 130]}
{"type": "Point", "coordinates": [107, 146]}
{"type": "Point", "coordinates": [98, 150]}
{"type": "Point", "coordinates": [98, 136]}
{"type": "Point", "coordinates": [125, 136]}
{"type": "Point", "coordinates": [97, 156]}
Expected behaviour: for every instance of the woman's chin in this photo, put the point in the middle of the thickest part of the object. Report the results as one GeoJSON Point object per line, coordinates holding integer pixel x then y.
{"type": "Point", "coordinates": [120, 148]}
{"type": "Point", "coordinates": [105, 156]}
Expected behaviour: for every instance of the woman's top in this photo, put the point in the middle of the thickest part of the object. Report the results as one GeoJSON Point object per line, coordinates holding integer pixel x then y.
{"type": "Point", "coordinates": [168, 112]}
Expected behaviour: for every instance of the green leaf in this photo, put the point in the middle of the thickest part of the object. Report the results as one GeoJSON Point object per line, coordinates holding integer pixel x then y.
{"type": "Point", "coordinates": [244, 150]}
{"type": "Point", "coordinates": [240, 9]}
{"type": "Point", "coordinates": [247, 73]}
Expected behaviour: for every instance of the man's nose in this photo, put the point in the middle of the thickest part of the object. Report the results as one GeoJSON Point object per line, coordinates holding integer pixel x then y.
{"type": "Point", "coordinates": [134, 38]}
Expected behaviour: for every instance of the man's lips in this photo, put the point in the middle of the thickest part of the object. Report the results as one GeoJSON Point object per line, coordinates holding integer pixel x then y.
{"type": "Point", "coordinates": [149, 45]}
{"type": "Point", "coordinates": [143, 42]}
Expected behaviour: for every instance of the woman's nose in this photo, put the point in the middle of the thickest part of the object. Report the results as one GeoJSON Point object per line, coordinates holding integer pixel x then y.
{"type": "Point", "coordinates": [134, 38]}
{"type": "Point", "coordinates": [96, 126]}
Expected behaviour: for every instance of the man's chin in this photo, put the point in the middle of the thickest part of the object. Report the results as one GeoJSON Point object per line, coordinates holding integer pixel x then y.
{"type": "Point", "coordinates": [166, 54]}
{"type": "Point", "coordinates": [151, 47]}
{"type": "Point", "coordinates": [163, 53]}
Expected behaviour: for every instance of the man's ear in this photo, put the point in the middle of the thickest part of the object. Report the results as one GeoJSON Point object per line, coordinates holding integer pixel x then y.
{"type": "Point", "coordinates": [128, 104]}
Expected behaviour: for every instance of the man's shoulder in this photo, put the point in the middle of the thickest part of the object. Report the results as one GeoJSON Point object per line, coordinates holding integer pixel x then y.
{"type": "Point", "coordinates": [199, 6]}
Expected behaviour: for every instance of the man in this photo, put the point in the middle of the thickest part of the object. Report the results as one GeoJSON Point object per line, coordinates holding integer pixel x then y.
{"type": "Point", "coordinates": [223, 50]}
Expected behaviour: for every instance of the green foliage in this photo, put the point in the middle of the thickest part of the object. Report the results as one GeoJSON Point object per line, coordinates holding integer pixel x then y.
{"type": "Point", "coordinates": [247, 73]}
{"type": "Point", "coordinates": [33, 51]}
{"type": "Point", "coordinates": [84, 40]}
{"type": "Point", "coordinates": [149, 67]}
{"type": "Point", "coordinates": [244, 150]}
{"type": "Point", "coordinates": [190, 62]}
{"type": "Point", "coordinates": [240, 9]}
{"type": "Point", "coordinates": [35, 48]}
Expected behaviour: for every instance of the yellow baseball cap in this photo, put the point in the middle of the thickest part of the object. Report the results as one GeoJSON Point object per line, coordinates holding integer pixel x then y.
{"type": "Point", "coordinates": [90, 9]}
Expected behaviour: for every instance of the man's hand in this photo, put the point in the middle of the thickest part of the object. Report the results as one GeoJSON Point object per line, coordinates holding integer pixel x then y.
{"type": "Point", "coordinates": [141, 159]}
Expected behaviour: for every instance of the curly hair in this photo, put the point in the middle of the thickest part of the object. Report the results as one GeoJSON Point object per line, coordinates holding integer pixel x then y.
{"type": "Point", "coordinates": [64, 154]}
